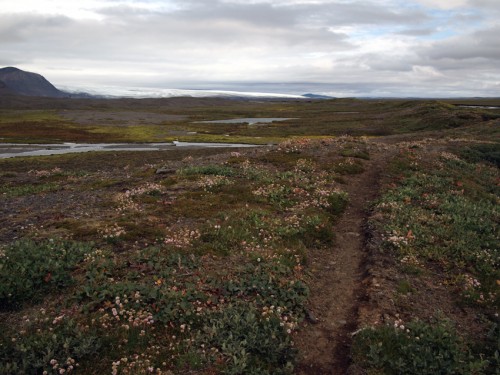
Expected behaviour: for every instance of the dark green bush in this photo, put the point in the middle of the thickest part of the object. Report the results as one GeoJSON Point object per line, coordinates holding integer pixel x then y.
{"type": "Point", "coordinates": [337, 203]}
{"type": "Point", "coordinates": [41, 349]}
{"type": "Point", "coordinates": [482, 152]}
{"type": "Point", "coordinates": [251, 343]}
{"type": "Point", "coordinates": [416, 348]}
{"type": "Point", "coordinates": [215, 170]}
{"type": "Point", "coordinates": [29, 269]}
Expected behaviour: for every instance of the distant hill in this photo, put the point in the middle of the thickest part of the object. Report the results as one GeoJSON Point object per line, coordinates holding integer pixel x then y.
{"type": "Point", "coordinates": [317, 96]}
{"type": "Point", "coordinates": [15, 81]}
{"type": "Point", "coordinates": [4, 90]}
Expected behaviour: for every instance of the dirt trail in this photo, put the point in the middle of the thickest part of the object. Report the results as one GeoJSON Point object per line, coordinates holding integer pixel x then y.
{"type": "Point", "coordinates": [336, 285]}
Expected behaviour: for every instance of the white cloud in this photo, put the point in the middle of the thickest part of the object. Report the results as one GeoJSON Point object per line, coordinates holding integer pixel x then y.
{"type": "Point", "coordinates": [82, 9]}
{"type": "Point", "coordinates": [443, 4]}
{"type": "Point", "coordinates": [426, 72]}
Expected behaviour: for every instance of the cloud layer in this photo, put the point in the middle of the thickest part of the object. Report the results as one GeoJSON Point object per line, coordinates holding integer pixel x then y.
{"type": "Point", "coordinates": [340, 47]}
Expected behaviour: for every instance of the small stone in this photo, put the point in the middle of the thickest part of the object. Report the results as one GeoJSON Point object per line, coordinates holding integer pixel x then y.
{"type": "Point", "coordinates": [311, 317]}
{"type": "Point", "coordinates": [165, 170]}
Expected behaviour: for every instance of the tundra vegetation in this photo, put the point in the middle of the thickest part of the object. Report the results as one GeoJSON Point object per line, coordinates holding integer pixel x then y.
{"type": "Point", "coordinates": [437, 223]}
{"type": "Point", "coordinates": [109, 267]}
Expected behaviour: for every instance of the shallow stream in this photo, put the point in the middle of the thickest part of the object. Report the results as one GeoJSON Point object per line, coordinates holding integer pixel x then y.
{"type": "Point", "coordinates": [10, 150]}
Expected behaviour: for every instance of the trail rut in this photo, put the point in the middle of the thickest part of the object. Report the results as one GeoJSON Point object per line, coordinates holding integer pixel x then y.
{"type": "Point", "coordinates": [336, 281]}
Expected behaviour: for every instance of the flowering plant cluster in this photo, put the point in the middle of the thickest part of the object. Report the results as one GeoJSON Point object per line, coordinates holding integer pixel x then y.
{"type": "Point", "coordinates": [182, 237]}
{"type": "Point", "coordinates": [294, 145]}
{"type": "Point", "coordinates": [112, 232]}
{"type": "Point", "coordinates": [210, 183]}
{"type": "Point", "coordinates": [45, 173]}
{"type": "Point", "coordinates": [126, 200]}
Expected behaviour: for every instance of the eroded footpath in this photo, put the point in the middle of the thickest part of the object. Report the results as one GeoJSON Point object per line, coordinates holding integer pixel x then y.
{"type": "Point", "coordinates": [337, 277]}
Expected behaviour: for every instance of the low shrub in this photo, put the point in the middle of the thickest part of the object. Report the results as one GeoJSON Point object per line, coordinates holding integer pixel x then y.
{"type": "Point", "coordinates": [416, 348]}
{"type": "Point", "coordinates": [49, 347]}
{"type": "Point", "coordinates": [209, 170]}
{"type": "Point", "coordinates": [337, 203]}
{"type": "Point", "coordinates": [23, 190]}
{"type": "Point", "coordinates": [250, 341]}
{"type": "Point", "coordinates": [482, 152]}
{"type": "Point", "coordinates": [355, 151]}
{"type": "Point", "coordinates": [29, 269]}
{"type": "Point", "coordinates": [348, 166]}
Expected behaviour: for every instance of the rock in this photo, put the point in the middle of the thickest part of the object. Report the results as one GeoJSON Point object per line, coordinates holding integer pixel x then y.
{"type": "Point", "coordinates": [165, 170]}
{"type": "Point", "coordinates": [311, 317]}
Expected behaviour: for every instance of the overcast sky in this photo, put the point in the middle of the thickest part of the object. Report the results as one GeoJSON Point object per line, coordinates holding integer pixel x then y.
{"type": "Point", "coordinates": [341, 47]}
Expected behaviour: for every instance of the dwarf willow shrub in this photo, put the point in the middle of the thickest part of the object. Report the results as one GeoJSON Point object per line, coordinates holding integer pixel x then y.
{"type": "Point", "coordinates": [19, 191]}
{"type": "Point", "coordinates": [337, 202]}
{"type": "Point", "coordinates": [209, 170]}
{"type": "Point", "coordinates": [355, 151]}
{"type": "Point", "coordinates": [348, 166]}
{"type": "Point", "coordinates": [445, 212]}
{"type": "Point", "coordinates": [448, 214]}
{"type": "Point", "coordinates": [482, 152]}
{"type": "Point", "coordinates": [250, 342]}
{"type": "Point", "coordinates": [416, 348]}
{"type": "Point", "coordinates": [266, 283]}
{"type": "Point", "coordinates": [30, 269]}
{"type": "Point", "coordinates": [50, 346]}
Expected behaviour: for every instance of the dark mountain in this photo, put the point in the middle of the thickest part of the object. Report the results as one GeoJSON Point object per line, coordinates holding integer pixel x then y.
{"type": "Point", "coordinates": [18, 82]}
{"type": "Point", "coordinates": [316, 96]}
{"type": "Point", "coordinates": [4, 90]}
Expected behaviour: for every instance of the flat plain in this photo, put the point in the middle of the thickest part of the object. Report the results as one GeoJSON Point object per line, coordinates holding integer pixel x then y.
{"type": "Point", "coordinates": [359, 237]}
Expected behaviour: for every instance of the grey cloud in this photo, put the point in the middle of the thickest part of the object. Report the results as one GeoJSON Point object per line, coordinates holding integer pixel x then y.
{"type": "Point", "coordinates": [10, 61]}
{"type": "Point", "coordinates": [175, 50]}
{"type": "Point", "coordinates": [204, 12]}
{"type": "Point", "coordinates": [388, 62]}
{"type": "Point", "coordinates": [255, 14]}
{"type": "Point", "coordinates": [218, 24]}
{"type": "Point", "coordinates": [418, 31]}
{"type": "Point", "coordinates": [483, 44]}
{"type": "Point", "coordinates": [18, 28]}
{"type": "Point", "coordinates": [487, 5]}
{"type": "Point", "coordinates": [367, 13]}
{"type": "Point", "coordinates": [128, 30]}
{"type": "Point", "coordinates": [291, 15]}
{"type": "Point", "coordinates": [124, 11]}
{"type": "Point", "coordinates": [232, 45]}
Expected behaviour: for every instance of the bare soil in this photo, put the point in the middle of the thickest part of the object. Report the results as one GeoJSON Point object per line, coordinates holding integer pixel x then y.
{"type": "Point", "coordinates": [337, 288]}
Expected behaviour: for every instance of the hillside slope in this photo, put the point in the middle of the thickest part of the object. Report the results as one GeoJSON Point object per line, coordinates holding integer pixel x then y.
{"type": "Point", "coordinates": [19, 82]}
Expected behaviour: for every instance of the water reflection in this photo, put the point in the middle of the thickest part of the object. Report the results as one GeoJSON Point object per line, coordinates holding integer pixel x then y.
{"type": "Point", "coordinates": [248, 120]}
{"type": "Point", "coordinates": [10, 150]}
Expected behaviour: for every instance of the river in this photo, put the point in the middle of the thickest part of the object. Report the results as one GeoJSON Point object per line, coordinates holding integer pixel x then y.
{"type": "Point", "coordinates": [10, 150]}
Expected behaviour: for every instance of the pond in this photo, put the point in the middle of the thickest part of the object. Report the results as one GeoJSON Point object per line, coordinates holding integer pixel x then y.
{"type": "Point", "coordinates": [248, 120]}
{"type": "Point", "coordinates": [479, 106]}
